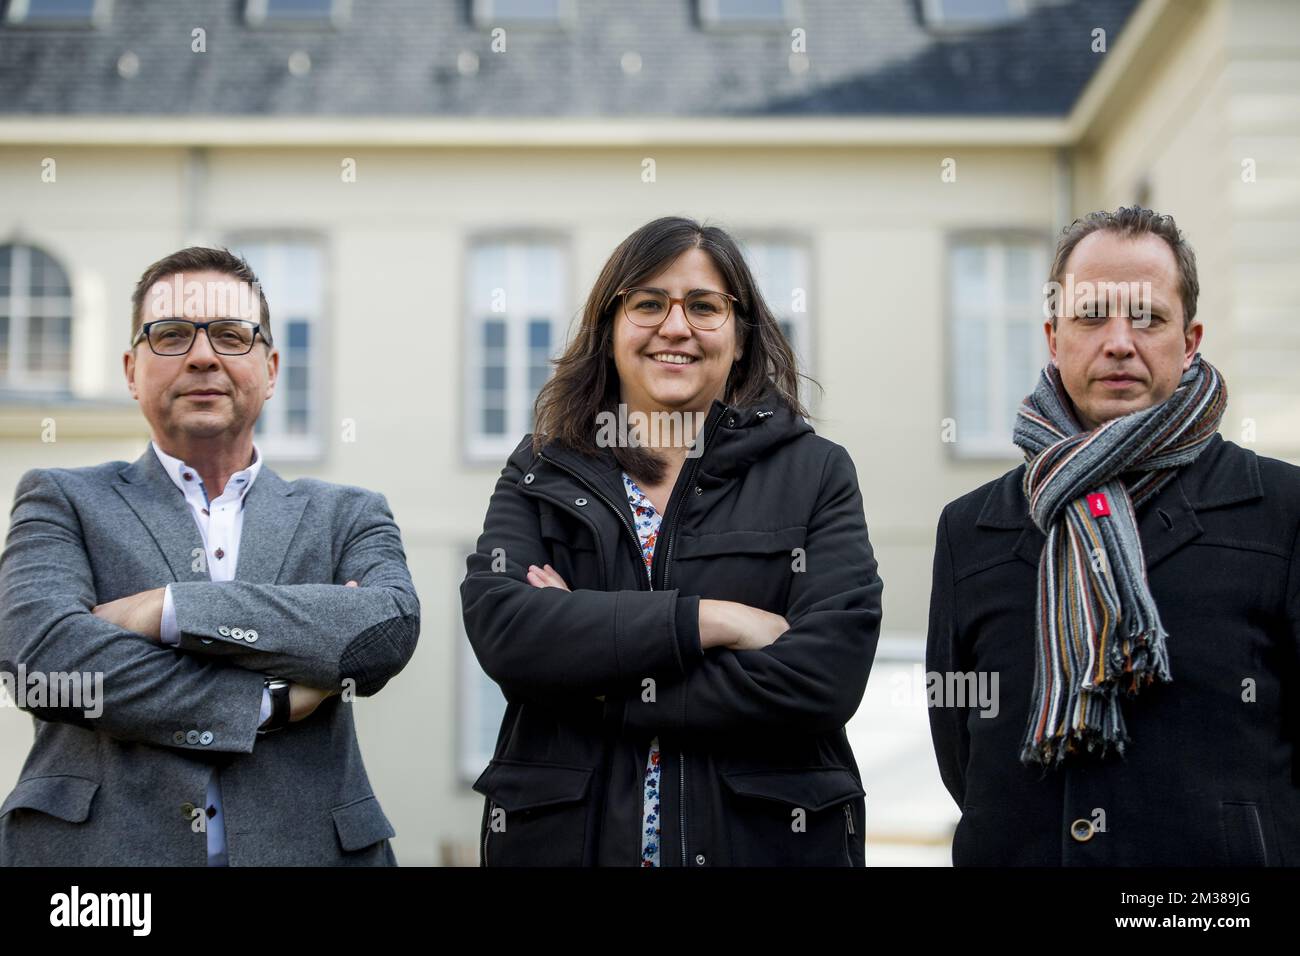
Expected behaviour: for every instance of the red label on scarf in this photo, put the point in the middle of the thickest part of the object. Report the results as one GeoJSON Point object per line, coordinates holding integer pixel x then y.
{"type": "Point", "coordinates": [1098, 505]}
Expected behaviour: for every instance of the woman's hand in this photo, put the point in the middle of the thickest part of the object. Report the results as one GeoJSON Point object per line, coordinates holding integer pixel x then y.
{"type": "Point", "coordinates": [738, 627]}
{"type": "Point", "coordinates": [545, 577]}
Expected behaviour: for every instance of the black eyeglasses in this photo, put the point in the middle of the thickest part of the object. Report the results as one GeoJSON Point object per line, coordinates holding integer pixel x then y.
{"type": "Point", "coordinates": [704, 309]}
{"type": "Point", "coordinates": [226, 336]}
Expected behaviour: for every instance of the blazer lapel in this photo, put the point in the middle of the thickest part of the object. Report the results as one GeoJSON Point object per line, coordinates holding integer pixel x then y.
{"type": "Point", "coordinates": [272, 513]}
{"type": "Point", "coordinates": [165, 514]}
{"type": "Point", "coordinates": [1166, 523]}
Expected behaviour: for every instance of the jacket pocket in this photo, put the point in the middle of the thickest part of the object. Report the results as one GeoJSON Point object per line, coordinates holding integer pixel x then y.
{"type": "Point", "coordinates": [361, 823]}
{"type": "Point", "coordinates": [752, 567]}
{"type": "Point", "coordinates": [804, 817]}
{"type": "Point", "coordinates": [537, 813]}
{"type": "Point", "coordinates": [1243, 834]}
{"type": "Point", "coordinates": [62, 795]}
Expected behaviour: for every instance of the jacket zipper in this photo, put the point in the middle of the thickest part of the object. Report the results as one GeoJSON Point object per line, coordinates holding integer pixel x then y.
{"type": "Point", "coordinates": [487, 830]}
{"type": "Point", "coordinates": [668, 556]}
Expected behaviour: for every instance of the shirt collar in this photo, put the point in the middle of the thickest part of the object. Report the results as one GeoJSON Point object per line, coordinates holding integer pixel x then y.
{"type": "Point", "coordinates": [177, 469]}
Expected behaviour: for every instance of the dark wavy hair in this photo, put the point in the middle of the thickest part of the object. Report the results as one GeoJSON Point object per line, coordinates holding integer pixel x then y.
{"type": "Point", "coordinates": [586, 380]}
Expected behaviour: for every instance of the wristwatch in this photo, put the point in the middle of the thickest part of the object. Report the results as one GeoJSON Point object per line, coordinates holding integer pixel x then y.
{"type": "Point", "coordinates": [279, 690]}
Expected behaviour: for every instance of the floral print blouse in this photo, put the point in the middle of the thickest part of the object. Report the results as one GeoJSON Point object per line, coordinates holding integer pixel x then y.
{"type": "Point", "coordinates": [646, 520]}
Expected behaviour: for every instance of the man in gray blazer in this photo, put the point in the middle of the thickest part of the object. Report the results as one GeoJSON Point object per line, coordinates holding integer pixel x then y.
{"type": "Point", "coordinates": [231, 616]}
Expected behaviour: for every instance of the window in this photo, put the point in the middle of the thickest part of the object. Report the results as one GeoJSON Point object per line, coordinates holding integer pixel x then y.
{"type": "Point", "coordinates": [517, 299]}
{"type": "Point", "coordinates": [490, 13]}
{"type": "Point", "coordinates": [781, 268]}
{"type": "Point", "coordinates": [297, 12]}
{"type": "Point", "coordinates": [481, 707]}
{"type": "Point", "coordinates": [971, 14]}
{"type": "Point", "coordinates": [996, 338]}
{"type": "Point", "coordinates": [748, 12]}
{"type": "Point", "coordinates": [293, 279]}
{"type": "Point", "coordinates": [71, 13]}
{"type": "Point", "coordinates": [35, 322]}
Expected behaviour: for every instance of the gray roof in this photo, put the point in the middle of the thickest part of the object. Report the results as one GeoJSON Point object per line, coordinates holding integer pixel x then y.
{"type": "Point", "coordinates": [400, 58]}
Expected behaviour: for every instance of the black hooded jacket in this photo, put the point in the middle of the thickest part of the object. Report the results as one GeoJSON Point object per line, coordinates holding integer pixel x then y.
{"type": "Point", "coordinates": [756, 765]}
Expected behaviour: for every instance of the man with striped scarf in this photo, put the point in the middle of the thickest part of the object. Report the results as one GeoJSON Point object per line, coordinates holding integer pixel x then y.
{"type": "Point", "coordinates": [1135, 587]}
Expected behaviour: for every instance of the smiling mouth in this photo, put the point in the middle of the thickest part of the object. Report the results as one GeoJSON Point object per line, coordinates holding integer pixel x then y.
{"type": "Point", "coordinates": [670, 358]}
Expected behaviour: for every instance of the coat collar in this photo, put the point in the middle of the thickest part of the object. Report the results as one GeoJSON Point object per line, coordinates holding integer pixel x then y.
{"type": "Point", "coordinates": [272, 512]}
{"type": "Point", "coordinates": [1223, 474]}
{"type": "Point", "coordinates": [738, 436]}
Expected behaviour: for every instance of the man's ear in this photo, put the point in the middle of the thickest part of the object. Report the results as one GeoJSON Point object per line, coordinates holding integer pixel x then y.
{"type": "Point", "coordinates": [1049, 329]}
{"type": "Point", "coordinates": [272, 371]}
{"type": "Point", "coordinates": [1192, 342]}
{"type": "Point", "coordinates": [128, 368]}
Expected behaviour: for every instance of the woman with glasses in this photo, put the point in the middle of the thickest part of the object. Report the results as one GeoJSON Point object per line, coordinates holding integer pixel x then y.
{"type": "Point", "coordinates": [674, 588]}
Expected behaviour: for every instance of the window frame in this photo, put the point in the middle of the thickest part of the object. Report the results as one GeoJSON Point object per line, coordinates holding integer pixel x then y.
{"type": "Point", "coordinates": [256, 15]}
{"type": "Point", "coordinates": [476, 447]}
{"type": "Point", "coordinates": [25, 384]}
{"type": "Point", "coordinates": [484, 18]}
{"type": "Point", "coordinates": [806, 327]}
{"type": "Point", "coordinates": [711, 19]}
{"type": "Point", "coordinates": [279, 445]}
{"type": "Point", "coordinates": [17, 14]}
{"type": "Point", "coordinates": [986, 447]}
{"type": "Point", "coordinates": [932, 19]}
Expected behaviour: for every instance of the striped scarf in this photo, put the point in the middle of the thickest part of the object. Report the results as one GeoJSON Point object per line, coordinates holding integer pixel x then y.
{"type": "Point", "coordinates": [1098, 630]}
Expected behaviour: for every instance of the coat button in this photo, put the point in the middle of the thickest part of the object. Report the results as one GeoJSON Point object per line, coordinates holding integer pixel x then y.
{"type": "Point", "coordinates": [731, 421]}
{"type": "Point", "coordinates": [205, 738]}
{"type": "Point", "coordinates": [223, 631]}
{"type": "Point", "coordinates": [699, 859]}
{"type": "Point", "coordinates": [580, 502]}
{"type": "Point", "coordinates": [699, 490]}
{"type": "Point", "coordinates": [178, 737]}
{"type": "Point", "coordinates": [192, 737]}
{"type": "Point", "coordinates": [528, 478]}
{"type": "Point", "coordinates": [250, 635]}
{"type": "Point", "coordinates": [188, 810]}
{"type": "Point", "coordinates": [1082, 830]}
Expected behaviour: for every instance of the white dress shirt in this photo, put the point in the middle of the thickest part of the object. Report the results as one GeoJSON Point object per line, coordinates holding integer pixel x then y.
{"type": "Point", "coordinates": [221, 522]}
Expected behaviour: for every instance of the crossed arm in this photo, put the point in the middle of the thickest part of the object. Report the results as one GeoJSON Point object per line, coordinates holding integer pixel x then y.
{"type": "Point", "coordinates": [716, 668]}
{"type": "Point", "coordinates": [51, 623]}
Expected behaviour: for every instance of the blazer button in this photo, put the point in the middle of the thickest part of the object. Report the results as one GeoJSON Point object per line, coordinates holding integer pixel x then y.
{"type": "Point", "coordinates": [250, 635]}
{"type": "Point", "coordinates": [223, 631]}
{"type": "Point", "coordinates": [528, 478]}
{"type": "Point", "coordinates": [192, 737]}
{"type": "Point", "coordinates": [205, 738]}
{"type": "Point", "coordinates": [188, 810]}
{"type": "Point", "coordinates": [237, 633]}
{"type": "Point", "coordinates": [178, 737]}
{"type": "Point", "coordinates": [1082, 830]}
{"type": "Point", "coordinates": [580, 502]}
{"type": "Point", "coordinates": [699, 859]}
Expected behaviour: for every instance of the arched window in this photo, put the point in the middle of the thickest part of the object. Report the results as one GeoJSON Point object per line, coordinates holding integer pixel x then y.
{"type": "Point", "coordinates": [35, 321]}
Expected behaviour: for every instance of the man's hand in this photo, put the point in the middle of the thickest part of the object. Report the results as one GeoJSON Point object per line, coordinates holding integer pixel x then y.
{"type": "Point", "coordinates": [141, 613]}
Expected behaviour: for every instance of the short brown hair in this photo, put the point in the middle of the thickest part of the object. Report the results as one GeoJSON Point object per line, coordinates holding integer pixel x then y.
{"type": "Point", "coordinates": [199, 259]}
{"type": "Point", "coordinates": [1134, 221]}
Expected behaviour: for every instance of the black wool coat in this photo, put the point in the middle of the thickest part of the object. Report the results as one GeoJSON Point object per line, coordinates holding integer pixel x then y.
{"type": "Point", "coordinates": [756, 765]}
{"type": "Point", "coordinates": [1212, 773]}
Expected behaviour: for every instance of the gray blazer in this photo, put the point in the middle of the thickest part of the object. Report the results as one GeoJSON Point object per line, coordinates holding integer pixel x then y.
{"type": "Point", "coordinates": [120, 788]}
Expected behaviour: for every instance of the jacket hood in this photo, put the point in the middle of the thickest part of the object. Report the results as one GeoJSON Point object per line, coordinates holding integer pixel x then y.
{"type": "Point", "coordinates": [735, 437]}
